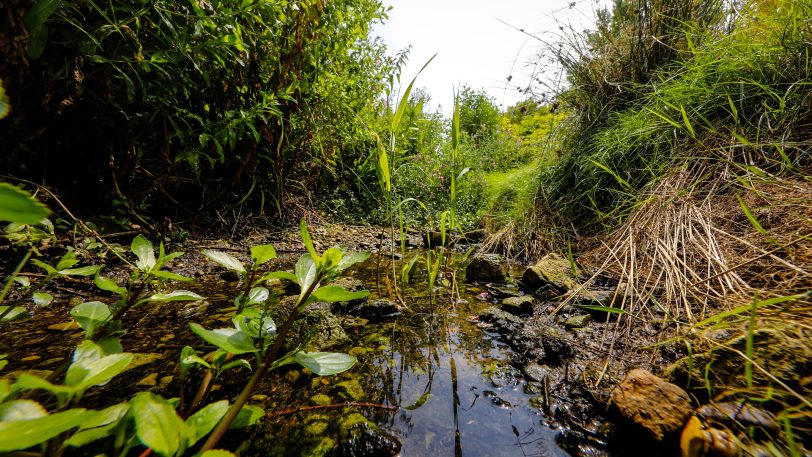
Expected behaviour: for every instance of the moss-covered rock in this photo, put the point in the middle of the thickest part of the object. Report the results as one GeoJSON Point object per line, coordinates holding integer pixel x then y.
{"type": "Point", "coordinates": [350, 390]}
{"type": "Point", "coordinates": [549, 277]}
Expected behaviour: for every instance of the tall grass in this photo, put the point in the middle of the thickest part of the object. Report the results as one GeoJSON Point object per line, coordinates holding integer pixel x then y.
{"type": "Point", "coordinates": [736, 96]}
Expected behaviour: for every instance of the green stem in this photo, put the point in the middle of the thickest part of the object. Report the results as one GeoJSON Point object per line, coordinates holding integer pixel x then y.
{"type": "Point", "coordinates": [267, 362]}
{"type": "Point", "coordinates": [10, 279]}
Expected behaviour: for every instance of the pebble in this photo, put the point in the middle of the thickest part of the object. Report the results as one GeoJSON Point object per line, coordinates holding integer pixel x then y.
{"type": "Point", "coordinates": [150, 380]}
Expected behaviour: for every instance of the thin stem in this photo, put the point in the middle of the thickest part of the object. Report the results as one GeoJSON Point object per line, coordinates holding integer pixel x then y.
{"type": "Point", "coordinates": [10, 279]}
{"type": "Point", "coordinates": [266, 363]}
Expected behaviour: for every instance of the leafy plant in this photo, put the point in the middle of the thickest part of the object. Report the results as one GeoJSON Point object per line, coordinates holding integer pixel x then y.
{"type": "Point", "coordinates": [312, 273]}
{"type": "Point", "coordinates": [260, 255]}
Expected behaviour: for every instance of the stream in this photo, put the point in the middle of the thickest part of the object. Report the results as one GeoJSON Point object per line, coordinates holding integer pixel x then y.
{"type": "Point", "coordinates": [436, 379]}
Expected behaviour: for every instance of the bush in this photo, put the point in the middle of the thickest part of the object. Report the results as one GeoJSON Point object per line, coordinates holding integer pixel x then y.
{"type": "Point", "coordinates": [190, 103]}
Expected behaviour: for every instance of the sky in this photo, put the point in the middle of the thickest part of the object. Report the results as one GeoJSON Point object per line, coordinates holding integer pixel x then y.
{"type": "Point", "coordinates": [478, 42]}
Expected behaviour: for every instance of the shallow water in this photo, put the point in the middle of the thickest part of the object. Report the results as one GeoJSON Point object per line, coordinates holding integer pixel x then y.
{"type": "Point", "coordinates": [448, 378]}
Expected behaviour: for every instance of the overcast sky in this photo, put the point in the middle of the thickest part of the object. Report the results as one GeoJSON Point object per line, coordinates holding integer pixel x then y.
{"type": "Point", "coordinates": [477, 43]}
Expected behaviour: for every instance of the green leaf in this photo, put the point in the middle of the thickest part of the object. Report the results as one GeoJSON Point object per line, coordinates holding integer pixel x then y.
{"type": "Point", "coordinates": [253, 322]}
{"type": "Point", "coordinates": [99, 426]}
{"type": "Point", "coordinates": [308, 242]}
{"type": "Point", "coordinates": [228, 339]}
{"type": "Point", "coordinates": [334, 293]}
{"type": "Point", "coordinates": [203, 422]}
{"type": "Point", "coordinates": [51, 271]}
{"type": "Point", "coordinates": [91, 316]}
{"type": "Point", "coordinates": [286, 275]}
{"type": "Point", "coordinates": [156, 424]}
{"type": "Point", "coordinates": [753, 221]}
{"type": "Point", "coordinates": [143, 249]}
{"type": "Point", "coordinates": [331, 257]}
{"type": "Point", "coordinates": [325, 363]}
{"type": "Point", "coordinates": [5, 103]}
{"type": "Point", "coordinates": [262, 253]}
{"type": "Point", "coordinates": [16, 313]}
{"type": "Point", "coordinates": [100, 372]}
{"type": "Point", "coordinates": [40, 12]}
{"type": "Point", "coordinates": [176, 295]}
{"type": "Point", "coordinates": [68, 260]}
{"type": "Point", "coordinates": [306, 272]}
{"type": "Point", "coordinates": [108, 285]}
{"type": "Point", "coordinates": [349, 260]}
{"type": "Point", "coordinates": [248, 416]}
{"type": "Point", "coordinates": [20, 410]}
{"type": "Point", "coordinates": [187, 361]}
{"type": "Point", "coordinates": [23, 434]}
{"type": "Point", "coordinates": [258, 295]}
{"type": "Point", "coordinates": [602, 309]}
{"type": "Point", "coordinates": [42, 298]}
{"type": "Point", "coordinates": [82, 271]}
{"type": "Point", "coordinates": [225, 260]}
{"type": "Point", "coordinates": [17, 205]}
{"type": "Point", "coordinates": [30, 382]}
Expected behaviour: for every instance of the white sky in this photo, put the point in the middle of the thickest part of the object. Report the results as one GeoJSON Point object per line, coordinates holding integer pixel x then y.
{"type": "Point", "coordinates": [473, 47]}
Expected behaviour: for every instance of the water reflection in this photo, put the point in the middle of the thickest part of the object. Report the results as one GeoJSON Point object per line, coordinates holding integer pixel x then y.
{"type": "Point", "coordinates": [451, 381]}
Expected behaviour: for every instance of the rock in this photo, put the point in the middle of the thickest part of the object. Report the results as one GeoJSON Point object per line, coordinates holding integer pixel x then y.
{"type": "Point", "coordinates": [474, 236]}
{"type": "Point", "coordinates": [64, 326]}
{"type": "Point", "coordinates": [519, 305]}
{"type": "Point", "coordinates": [321, 400]}
{"type": "Point", "coordinates": [535, 372]}
{"type": "Point", "coordinates": [375, 309]}
{"type": "Point", "coordinates": [653, 404]}
{"type": "Point", "coordinates": [350, 390]}
{"type": "Point", "coordinates": [502, 291]}
{"type": "Point", "coordinates": [538, 402]}
{"type": "Point", "coordinates": [697, 440]}
{"type": "Point", "coordinates": [549, 277]}
{"type": "Point", "coordinates": [486, 268]}
{"type": "Point", "coordinates": [496, 399]}
{"type": "Point", "coordinates": [539, 342]}
{"type": "Point", "coordinates": [31, 358]}
{"type": "Point", "coordinates": [318, 330]}
{"type": "Point", "coordinates": [579, 321]}
{"type": "Point", "coordinates": [504, 376]}
{"type": "Point", "coordinates": [502, 320]}
{"type": "Point", "coordinates": [144, 358]}
{"type": "Point", "coordinates": [362, 438]}
{"type": "Point", "coordinates": [434, 238]}
{"type": "Point", "coordinates": [151, 380]}
{"type": "Point", "coordinates": [259, 398]}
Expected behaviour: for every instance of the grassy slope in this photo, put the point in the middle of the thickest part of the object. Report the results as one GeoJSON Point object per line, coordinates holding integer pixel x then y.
{"type": "Point", "coordinates": [698, 189]}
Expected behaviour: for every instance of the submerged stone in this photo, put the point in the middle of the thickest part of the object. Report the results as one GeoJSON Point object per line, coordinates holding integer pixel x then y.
{"type": "Point", "coordinates": [321, 400]}
{"type": "Point", "coordinates": [350, 390]}
{"type": "Point", "coordinates": [375, 309]}
{"type": "Point", "coordinates": [519, 305]}
{"type": "Point", "coordinates": [535, 372]}
{"type": "Point", "coordinates": [365, 439]}
{"type": "Point", "coordinates": [319, 330]}
{"type": "Point", "coordinates": [502, 320]}
{"type": "Point", "coordinates": [486, 268]}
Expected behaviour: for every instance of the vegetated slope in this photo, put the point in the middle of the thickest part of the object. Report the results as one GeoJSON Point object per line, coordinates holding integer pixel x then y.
{"type": "Point", "coordinates": [686, 159]}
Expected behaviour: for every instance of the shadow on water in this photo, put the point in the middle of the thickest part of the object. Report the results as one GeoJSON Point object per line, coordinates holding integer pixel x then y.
{"type": "Point", "coordinates": [438, 382]}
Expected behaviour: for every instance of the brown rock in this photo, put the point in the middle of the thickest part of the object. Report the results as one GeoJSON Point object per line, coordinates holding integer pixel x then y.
{"type": "Point", "coordinates": [653, 404]}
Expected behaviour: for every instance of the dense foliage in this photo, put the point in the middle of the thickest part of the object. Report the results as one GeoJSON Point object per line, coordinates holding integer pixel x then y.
{"type": "Point", "coordinates": [191, 103]}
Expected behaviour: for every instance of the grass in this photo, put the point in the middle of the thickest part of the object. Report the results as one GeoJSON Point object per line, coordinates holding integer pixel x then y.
{"type": "Point", "coordinates": [687, 177]}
